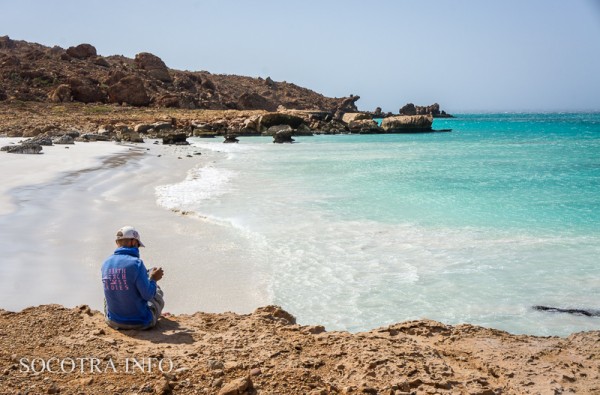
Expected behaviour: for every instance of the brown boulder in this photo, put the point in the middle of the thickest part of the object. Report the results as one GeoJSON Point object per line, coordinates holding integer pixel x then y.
{"type": "Point", "coordinates": [82, 51]}
{"type": "Point", "coordinates": [100, 61]}
{"type": "Point", "coordinates": [129, 90]}
{"type": "Point", "coordinates": [61, 94]}
{"type": "Point", "coordinates": [154, 65]}
{"type": "Point", "coordinates": [115, 77]}
{"type": "Point", "coordinates": [87, 91]}
{"type": "Point", "coordinates": [254, 101]}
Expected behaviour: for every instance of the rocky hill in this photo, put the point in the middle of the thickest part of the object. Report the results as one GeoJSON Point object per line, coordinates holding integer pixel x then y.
{"type": "Point", "coordinates": [33, 72]}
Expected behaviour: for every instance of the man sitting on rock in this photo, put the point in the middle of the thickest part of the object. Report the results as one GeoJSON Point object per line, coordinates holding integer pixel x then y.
{"type": "Point", "coordinates": [132, 299]}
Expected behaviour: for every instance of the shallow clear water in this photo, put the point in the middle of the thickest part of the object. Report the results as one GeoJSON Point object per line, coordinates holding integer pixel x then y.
{"type": "Point", "coordinates": [359, 231]}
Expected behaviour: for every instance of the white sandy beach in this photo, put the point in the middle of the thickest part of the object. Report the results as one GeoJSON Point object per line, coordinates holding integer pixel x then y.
{"type": "Point", "coordinates": [59, 212]}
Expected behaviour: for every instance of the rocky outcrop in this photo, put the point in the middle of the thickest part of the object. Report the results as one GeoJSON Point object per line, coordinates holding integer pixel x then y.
{"type": "Point", "coordinates": [407, 123]}
{"type": "Point", "coordinates": [434, 110]}
{"type": "Point", "coordinates": [354, 116]}
{"type": "Point", "coordinates": [348, 104]}
{"type": "Point", "coordinates": [65, 139]}
{"type": "Point", "coordinates": [364, 126]}
{"type": "Point", "coordinates": [7, 43]}
{"type": "Point", "coordinates": [277, 118]}
{"type": "Point", "coordinates": [154, 65]}
{"type": "Point", "coordinates": [23, 148]}
{"type": "Point", "coordinates": [41, 140]}
{"type": "Point", "coordinates": [21, 64]}
{"type": "Point", "coordinates": [408, 109]}
{"type": "Point", "coordinates": [129, 90]}
{"type": "Point", "coordinates": [82, 51]}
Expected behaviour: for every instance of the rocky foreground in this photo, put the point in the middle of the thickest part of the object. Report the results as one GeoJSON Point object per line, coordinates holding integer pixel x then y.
{"type": "Point", "coordinates": [266, 352]}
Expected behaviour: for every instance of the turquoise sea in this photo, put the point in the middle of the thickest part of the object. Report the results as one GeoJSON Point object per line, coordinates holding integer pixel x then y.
{"type": "Point", "coordinates": [360, 231]}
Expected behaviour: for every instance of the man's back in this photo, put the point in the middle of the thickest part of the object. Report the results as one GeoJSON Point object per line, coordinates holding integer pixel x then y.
{"type": "Point", "coordinates": [127, 288]}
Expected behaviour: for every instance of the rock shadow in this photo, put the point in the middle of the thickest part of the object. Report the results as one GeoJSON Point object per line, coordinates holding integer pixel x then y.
{"type": "Point", "coordinates": [166, 331]}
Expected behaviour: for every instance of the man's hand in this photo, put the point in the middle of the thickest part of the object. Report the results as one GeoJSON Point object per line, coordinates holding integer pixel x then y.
{"type": "Point", "coordinates": [156, 273]}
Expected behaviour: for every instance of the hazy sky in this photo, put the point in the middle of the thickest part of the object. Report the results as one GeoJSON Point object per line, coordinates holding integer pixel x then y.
{"type": "Point", "coordinates": [467, 55]}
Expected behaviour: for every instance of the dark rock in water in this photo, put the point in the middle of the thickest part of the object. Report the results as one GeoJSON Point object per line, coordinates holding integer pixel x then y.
{"type": "Point", "coordinates": [66, 139]}
{"type": "Point", "coordinates": [283, 136]}
{"type": "Point", "coordinates": [273, 130]}
{"type": "Point", "coordinates": [231, 138]}
{"type": "Point", "coordinates": [24, 148]}
{"type": "Point", "coordinates": [408, 109]}
{"type": "Point", "coordinates": [587, 313]}
{"type": "Point", "coordinates": [175, 138]}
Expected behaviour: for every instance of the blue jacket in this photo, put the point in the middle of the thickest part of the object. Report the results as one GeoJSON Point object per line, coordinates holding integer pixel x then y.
{"type": "Point", "coordinates": [127, 288]}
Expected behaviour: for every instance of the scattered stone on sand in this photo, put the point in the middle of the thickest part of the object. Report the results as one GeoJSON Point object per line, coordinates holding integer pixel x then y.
{"type": "Point", "coordinates": [23, 148]}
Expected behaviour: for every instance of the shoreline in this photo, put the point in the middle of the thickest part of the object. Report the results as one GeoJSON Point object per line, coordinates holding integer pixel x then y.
{"type": "Point", "coordinates": [92, 200]}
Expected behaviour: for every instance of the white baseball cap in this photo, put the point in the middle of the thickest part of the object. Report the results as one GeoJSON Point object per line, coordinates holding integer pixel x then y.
{"type": "Point", "coordinates": [129, 232]}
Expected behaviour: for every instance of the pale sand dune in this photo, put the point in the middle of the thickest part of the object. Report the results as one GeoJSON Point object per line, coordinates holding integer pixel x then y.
{"type": "Point", "coordinates": [60, 211]}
